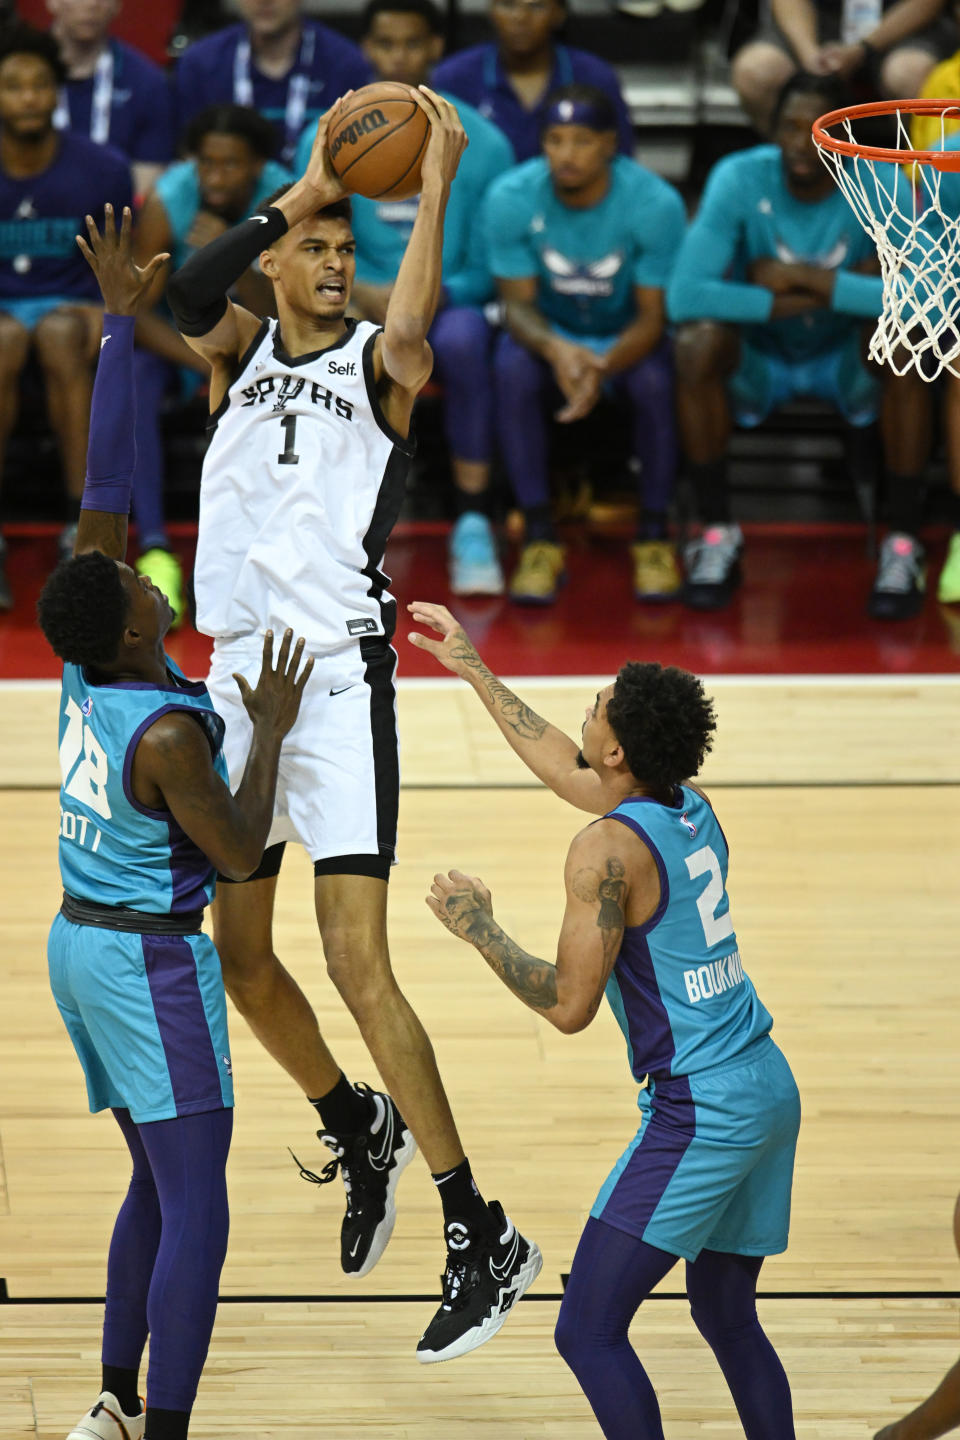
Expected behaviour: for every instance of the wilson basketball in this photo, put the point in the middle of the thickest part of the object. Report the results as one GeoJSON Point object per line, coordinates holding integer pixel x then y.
{"type": "Point", "coordinates": [377, 138]}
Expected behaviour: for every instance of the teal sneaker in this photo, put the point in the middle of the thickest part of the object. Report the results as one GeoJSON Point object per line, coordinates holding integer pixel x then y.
{"type": "Point", "coordinates": [163, 568]}
{"type": "Point", "coordinates": [948, 586]}
{"type": "Point", "coordinates": [474, 564]}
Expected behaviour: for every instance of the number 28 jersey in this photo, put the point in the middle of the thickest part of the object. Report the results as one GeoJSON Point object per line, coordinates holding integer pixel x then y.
{"type": "Point", "coordinates": [678, 988]}
{"type": "Point", "coordinates": [113, 850]}
{"type": "Point", "coordinates": [301, 486]}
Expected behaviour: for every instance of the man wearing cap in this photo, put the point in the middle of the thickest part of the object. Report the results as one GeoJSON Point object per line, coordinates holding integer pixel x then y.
{"type": "Point", "coordinates": [581, 243]}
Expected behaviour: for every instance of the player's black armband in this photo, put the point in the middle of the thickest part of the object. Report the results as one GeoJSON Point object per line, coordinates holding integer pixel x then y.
{"type": "Point", "coordinates": [197, 293]}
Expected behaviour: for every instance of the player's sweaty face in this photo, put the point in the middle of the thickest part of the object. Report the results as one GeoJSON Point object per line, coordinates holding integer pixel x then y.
{"type": "Point", "coordinates": [402, 47]}
{"type": "Point", "coordinates": [150, 612]}
{"type": "Point", "coordinates": [28, 96]}
{"type": "Point", "coordinates": [316, 263]}
{"type": "Point", "coordinates": [577, 155]}
{"type": "Point", "coordinates": [596, 733]}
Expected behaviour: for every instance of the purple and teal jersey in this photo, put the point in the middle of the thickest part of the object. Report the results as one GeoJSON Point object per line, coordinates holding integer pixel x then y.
{"type": "Point", "coordinates": [678, 988]}
{"type": "Point", "coordinates": [125, 103]}
{"type": "Point", "coordinates": [477, 76]}
{"type": "Point", "coordinates": [113, 850]}
{"type": "Point", "coordinates": [41, 216]}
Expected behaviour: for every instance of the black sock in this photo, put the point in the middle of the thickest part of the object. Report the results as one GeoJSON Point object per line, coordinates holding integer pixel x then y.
{"type": "Point", "coordinates": [460, 1198]}
{"type": "Point", "coordinates": [711, 490]}
{"type": "Point", "coordinates": [343, 1109]}
{"type": "Point", "coordinates": [124, 1384]}
{"type": "Point", "coordinates": [166, 1424]}
{"type": "Point", "coordinates": [467, 503]}
{"type": "Point", "coordinates": [539, 524]}
{"type": "Point", "coordinates": [652, 525]}
{"type": "Point", "coordinates": [905, 501]}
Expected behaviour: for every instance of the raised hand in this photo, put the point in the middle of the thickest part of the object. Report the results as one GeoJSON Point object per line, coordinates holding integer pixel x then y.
{"type": "Point", "coordinates": [454, 650]}
{"type": "Point", "coordinates": [320, 177]}
{"type": "Point", "coordinates": [275, 703]}
{"type": "Point", "coordinates": [123, 284]}
{"type": "Point", "coordinates": [463, 904]}
{"type": "Point", "coordinates": [448, 139]}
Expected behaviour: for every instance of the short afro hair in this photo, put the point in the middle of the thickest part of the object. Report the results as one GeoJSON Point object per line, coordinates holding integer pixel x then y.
{"type": "Point", "coordinates": [241, 121]}
{"type": "Point", "coordinates": [83, 608]}
{"type": "Point", "coordinates": [20, 39]}
{"type": "Point", "coordinates": [427, 11]}
{"type": "Point", "coordinates": [664, 720]}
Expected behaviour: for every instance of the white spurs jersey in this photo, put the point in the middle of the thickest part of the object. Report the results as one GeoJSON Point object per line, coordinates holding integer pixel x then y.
{"type": "Point", "coordinates": [301, 485]}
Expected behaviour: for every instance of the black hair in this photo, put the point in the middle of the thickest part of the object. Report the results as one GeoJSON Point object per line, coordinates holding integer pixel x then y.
{"type": "Point", "coordinates": [830, 91]}
{"type": "Point", "coordinates": [426, 9]}
{"type": "Point", "coordinates": [83, 608]}
{"type": "Point", "coordinates": [240, 120]}
{"type": "Point", "coordinates": [664, 720]}
{"type": "Point", "coordinates": [20, 39]}
{"type": "Point", "coordinates": [598, 100]}
{"type": "Point", "coordinates": [340, 209]}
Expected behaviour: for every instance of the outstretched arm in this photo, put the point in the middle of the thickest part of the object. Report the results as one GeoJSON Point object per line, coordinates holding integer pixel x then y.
{"type": "Point", "coordinates": [551, 755]}
{"type": "Point", "coordinates": [111, 450]}
{"type": "Point", "coordinates": [568, 994]}
{"type": "Point", "coordinates": [402, 353]}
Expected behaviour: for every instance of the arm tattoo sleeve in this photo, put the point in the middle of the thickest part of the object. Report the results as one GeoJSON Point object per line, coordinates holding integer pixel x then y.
{"type": "Point", "coordinates": [534, 981]}
{"type": "Point", "coordinates": [517, 715]}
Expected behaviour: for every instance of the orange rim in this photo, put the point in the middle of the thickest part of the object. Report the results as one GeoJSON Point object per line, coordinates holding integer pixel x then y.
{"type": "Point", "coordinates": [939, 159]}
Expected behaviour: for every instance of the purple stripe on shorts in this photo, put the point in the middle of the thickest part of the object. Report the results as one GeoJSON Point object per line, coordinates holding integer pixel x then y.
{"type": "Point", "coordinates": [664, 1140]}
{"type": "Point", "coordinates": [182, 1021]}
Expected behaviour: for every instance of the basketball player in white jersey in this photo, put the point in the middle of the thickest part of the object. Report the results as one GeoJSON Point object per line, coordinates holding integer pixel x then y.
{"type": "Point", "coordinates": [301, 486]}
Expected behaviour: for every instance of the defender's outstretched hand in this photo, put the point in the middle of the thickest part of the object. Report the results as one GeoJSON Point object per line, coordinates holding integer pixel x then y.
{"type": "Point", "coordinates": [463, 904]}
{"type": "Point", "coordinates": [455, 650]}
{"type": "Point", "coordinates": [123, 284]}
{"type": "Point", "coordinates": [275, 704]}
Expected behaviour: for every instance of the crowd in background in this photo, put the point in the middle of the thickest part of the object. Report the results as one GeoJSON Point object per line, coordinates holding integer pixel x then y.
{"type": "Point", "coordinates": [573, 277]}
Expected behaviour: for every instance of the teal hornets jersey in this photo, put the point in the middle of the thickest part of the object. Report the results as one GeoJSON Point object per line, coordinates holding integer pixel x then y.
{"type": "Point", "coordinates": [178, 190]}
{"type": "Point", "coordinates": [113, 850]}
{"type": "Point", "coordinates": [678, 988]}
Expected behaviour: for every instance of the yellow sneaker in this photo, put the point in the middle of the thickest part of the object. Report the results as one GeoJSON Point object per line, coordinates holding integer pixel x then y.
{"type": "Point", "coordinates": [656, 571]}
{"type": "Point", "coordinates": [163, 568]}
{"type": "Point", "coordinates": [948, 586]}
{"type": "Point", "coordinates": [539, 574]}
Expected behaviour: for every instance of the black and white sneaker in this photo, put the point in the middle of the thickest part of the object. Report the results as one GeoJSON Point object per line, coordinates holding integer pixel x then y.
{"type": "Point", "coordinates": [484, 1279]}
{"type": "Point", "coordinates": [901, 585]}
{"type": "Point", "coordinates": [370, 1163]}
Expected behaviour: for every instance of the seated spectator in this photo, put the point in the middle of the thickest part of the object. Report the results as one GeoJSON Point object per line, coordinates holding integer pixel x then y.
{"type": "Point", "coordinates": [49, 181]}
{"type": "Point", "coordinates": [777, 288]}
{"type": "Point", "coordinates": [510, 79]}
{"type": "Point", "coordinates": [403, 40]}
{"type": "Point", "coordinates": [230, 175]}
{"type": "Point", "coordinates": [581, 244]}
{"type": "Point", "coordinates": [279, 62]}
{"type": "Point", "coordinates": [113, 93]}
{"type": "Point", "coordinates": [892, 44]}
{"type": "Point", "coordinates": [943, 83]}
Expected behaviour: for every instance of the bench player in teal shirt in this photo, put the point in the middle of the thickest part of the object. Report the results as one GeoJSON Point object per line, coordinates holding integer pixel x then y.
{"type": "Point", "coordinates": [403, 39]}
{"type": "Point", "coordinates": [145, 817]}
{"type": "Point", "coordinates": [777, 288]}
{"type": "Point", "coordinates": [707, 1179]}
{"type": "Point", "coordinates": [582, 242]}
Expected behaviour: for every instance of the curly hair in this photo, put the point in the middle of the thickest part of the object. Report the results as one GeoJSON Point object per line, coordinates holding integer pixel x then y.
{"type": "Point", "coordinates": [82, 609]}
{"type": "Point", "coordinates": [664, 720]}
{"type": "Point", "coordinates": [17, 38]}
{"type": "Point", "coordinates": [239, 120]}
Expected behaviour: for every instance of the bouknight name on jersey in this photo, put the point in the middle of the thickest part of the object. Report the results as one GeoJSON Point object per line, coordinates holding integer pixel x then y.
{"type": "Point", "coordinates": [301, 486]}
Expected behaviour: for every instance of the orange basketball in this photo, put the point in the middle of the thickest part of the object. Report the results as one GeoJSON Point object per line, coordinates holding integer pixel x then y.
{"type": "Point", "coordinates": [377, 138]}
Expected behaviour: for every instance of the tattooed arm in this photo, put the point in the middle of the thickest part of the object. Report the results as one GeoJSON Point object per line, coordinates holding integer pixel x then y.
{"type": "Point", "coordinates": [603, 867]}
{"type": "Point", "coordinates": [551, 755]}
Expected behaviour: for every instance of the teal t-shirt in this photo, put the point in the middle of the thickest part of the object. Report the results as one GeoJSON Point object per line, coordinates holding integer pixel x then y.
{"type": "Point", "coordinates": [178, 190]}
{"type": "Point", "coordinates": [587, 262]}
{"type": "Point", "coordinates": [383, 227]}
{"type": "Point", "coordinates": [747, 213]}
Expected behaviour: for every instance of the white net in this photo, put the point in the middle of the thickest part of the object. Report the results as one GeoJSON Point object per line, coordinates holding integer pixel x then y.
{"type": "Point", "coordinates": [911, 210]}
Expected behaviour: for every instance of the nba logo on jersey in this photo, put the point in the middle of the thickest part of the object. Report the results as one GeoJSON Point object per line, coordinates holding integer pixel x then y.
{"type": "Point", "coordinates": [86, 706]}
{"type": "Point", "coordinates": [688, 825]}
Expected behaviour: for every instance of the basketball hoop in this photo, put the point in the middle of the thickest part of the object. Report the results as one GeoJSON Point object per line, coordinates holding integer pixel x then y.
{"type": "Point", "coordinates": [909, 204]}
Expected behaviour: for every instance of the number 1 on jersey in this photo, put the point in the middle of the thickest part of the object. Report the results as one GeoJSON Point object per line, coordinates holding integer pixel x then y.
{"type": "Point", "coordinates": [289, 456]}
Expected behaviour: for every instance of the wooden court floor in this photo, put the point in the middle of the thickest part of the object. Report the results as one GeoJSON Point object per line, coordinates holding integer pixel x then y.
{"type": "Point", "coordinates": [839, 800]}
